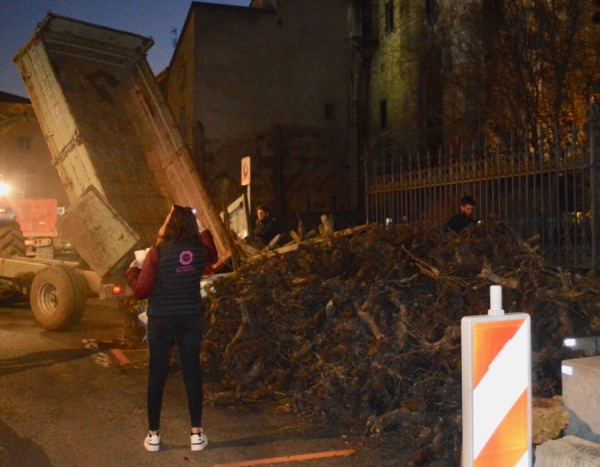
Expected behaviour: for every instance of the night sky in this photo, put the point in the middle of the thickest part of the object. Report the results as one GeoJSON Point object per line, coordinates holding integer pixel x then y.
{"type": "Point", "coordinates": [151, 18]}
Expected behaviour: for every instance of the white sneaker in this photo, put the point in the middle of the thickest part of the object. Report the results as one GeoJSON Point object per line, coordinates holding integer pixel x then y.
{"type": "Point", "coordinates": [198, 441]}
{"type": "Point", "coordinates": [152, 442]}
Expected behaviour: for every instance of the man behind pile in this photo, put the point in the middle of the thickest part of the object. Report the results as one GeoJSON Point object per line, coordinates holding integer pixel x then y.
{"type": "Point", "coordinates": [464, 218]}
{"type": "Point", "coordinates": [266, 227]}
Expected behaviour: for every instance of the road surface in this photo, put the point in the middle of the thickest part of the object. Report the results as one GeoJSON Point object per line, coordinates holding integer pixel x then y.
{"type": "Point", "coordinates": [77, 399]}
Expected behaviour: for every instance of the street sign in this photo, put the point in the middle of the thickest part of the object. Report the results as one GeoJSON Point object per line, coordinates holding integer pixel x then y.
{"type": "Point", "coordinates": [246, 171]}
{"type": "Point", "coordinates": [496, 374]}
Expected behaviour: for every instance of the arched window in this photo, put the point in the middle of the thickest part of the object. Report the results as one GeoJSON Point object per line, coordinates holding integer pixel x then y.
{"type": "Point", "coordinates": [389, 15]}
{"type": "Point", "coordinates": [431, 10]}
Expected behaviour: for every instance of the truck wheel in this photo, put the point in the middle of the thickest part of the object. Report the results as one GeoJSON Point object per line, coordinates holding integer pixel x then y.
{"type": "Point", "coordinates": [80, 288]}
{"type": "Point", "coordinates": [11, 241]}
{"type": "Point", "coordinates": [55, 299]}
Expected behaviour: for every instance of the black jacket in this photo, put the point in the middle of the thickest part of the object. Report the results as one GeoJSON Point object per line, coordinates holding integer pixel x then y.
{"type": "Point", "coordinates": [458, 222]}
{"type": "Point", "coordinates": [266, 230]}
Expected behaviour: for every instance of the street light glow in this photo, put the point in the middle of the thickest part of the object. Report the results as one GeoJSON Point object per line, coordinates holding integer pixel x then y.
{"type": "Point", "coordinates": [4, 189]}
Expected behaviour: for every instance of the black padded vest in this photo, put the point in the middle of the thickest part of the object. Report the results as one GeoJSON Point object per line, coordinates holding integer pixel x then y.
{"type": "Point", "coordinates": [177, 286]}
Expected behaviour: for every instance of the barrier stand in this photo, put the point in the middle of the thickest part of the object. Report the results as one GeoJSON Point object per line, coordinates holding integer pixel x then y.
{"type": "Point", "coordinates": [496, 387]}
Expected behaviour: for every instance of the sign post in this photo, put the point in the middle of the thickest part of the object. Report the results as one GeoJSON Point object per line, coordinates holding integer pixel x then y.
{"type": "Point", "coordinates": [496, 387]}
{"type": "Point", "coordinates": [246, 179]}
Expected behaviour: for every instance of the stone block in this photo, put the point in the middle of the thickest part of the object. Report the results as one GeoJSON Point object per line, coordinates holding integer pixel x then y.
{"type": "Point", "coordinates": [581, 397]}
{"type": "Point", "coordinates": [569, 451]}
{"type": "Point", "coordinates": [549, 419]}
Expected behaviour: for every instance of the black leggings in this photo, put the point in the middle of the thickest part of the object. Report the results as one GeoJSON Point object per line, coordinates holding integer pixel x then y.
{"type": "Point", "coordinates": [186, 332]}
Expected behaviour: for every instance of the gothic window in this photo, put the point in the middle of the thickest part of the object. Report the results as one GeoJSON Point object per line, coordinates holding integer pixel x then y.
{"type": "Point", "coordinates": [182, 73]}
{"type": "Point", "coordinates": [25, 144]}
{"type": "Point", "coordinates": [431, 10]}
{"type": "Point", "coordinates": [389, 15]}
{"type": "Point", "coordinates": [368, 28]}
{"type": "Point", "coordinates": [596, 12]}
{"type": "Point", "coordinates": [383, 114]}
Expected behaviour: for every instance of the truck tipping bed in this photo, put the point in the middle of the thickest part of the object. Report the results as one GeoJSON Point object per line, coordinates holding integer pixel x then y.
{"type": "Point", "coordinates": [113, 140]}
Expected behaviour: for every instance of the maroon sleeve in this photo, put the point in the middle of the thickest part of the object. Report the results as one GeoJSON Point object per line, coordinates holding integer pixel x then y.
{"type": "Point", "coordinates": [142, 280]}
{"type": "Point", "coordinates": [211, 250]}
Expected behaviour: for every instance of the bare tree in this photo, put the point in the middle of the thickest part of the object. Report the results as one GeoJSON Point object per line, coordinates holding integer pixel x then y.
{"type": "Point", "coordinates": [526, 66]}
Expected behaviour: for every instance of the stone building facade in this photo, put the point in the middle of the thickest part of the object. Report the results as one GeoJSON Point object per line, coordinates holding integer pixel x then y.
{"type": "Point", "coordinates": [397, 78]}
{"type": "Point", "coordinates": [425, 82]}
{"type": "Point", "coordinates": [25, 160]}
{"type": "Point", "coordinates": [269, 81]}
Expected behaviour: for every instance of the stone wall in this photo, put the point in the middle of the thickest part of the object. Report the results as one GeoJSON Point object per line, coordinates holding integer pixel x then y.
{"type": "Point", "coordinates": [272, 84]}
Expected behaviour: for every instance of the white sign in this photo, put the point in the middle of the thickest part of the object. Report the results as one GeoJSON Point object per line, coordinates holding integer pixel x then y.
{"type": "Point", "coordinates": [496, 387]}
{"type": "Point", "coordinates": [246, 171]}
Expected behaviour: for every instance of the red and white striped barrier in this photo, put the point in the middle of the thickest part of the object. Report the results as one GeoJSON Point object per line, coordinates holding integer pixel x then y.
{"type": "Point", "coordinates": [496, 387]}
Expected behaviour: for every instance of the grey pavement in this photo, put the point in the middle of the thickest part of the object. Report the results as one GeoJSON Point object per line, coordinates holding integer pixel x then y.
{"type": "Point", "coordinates": [66, 401]}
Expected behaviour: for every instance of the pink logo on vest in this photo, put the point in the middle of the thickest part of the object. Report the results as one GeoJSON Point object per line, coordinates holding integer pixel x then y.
{"type": "Point", "coordinates": [185, 258]}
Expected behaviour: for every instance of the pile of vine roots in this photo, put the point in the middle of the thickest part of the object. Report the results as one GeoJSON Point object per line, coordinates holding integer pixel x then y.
{"type": "Point", "coordinates": [364, 330]}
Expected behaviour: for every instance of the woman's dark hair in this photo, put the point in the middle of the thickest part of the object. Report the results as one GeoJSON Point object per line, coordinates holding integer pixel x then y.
{"type": "Point", "coordinates": [180, 226]}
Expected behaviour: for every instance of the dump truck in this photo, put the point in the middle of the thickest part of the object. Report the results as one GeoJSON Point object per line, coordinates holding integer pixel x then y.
{"type": "Point", "coordinates": [119, 154]}
{"type": "Point", "coordinates": [28, 228]}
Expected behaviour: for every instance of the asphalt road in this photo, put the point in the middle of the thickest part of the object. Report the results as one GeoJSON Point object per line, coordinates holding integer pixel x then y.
{"type": "Point", "coordinates": [67, 400]}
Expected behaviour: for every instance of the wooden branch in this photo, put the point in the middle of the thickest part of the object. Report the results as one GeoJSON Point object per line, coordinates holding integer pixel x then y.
{"type": "Point", "coordinates": [508, 282]}
{"type": "Point", "coordinates": [369, 321]}
{"type": "Point", "coordinates": [295, 236]}
{"type": "Point", "coordinates": [248, 250]}
{"type": "Point", "coordinates": [238, 335]}
{"type": "Point", "coordinates": [327, 224]}
{"type": "Point", "coordinates": [293, 246]}
{"type": "Point", "coordinates": [427, 269]}
{"type": "Point", "coordinates": [400, 417]}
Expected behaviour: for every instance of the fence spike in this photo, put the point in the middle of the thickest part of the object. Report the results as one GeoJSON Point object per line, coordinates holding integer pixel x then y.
{"type": "Point", "coordinates": [485, 146]}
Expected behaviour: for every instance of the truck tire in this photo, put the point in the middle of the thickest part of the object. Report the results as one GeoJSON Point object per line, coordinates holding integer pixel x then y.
{"type": "Point", "coordinates": [55, 298]}
{"type": "Point", "coordinates": [11, 241]}
{"type": "Point", "coordinates": [80, 288]}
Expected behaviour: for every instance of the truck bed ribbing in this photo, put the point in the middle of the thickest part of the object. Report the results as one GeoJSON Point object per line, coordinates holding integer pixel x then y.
{"type": "Point", "coordinates": [108, 127]}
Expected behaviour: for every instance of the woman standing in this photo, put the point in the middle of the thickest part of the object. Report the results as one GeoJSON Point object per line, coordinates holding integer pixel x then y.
{"type": "Point", "coordinates": [170, 279]}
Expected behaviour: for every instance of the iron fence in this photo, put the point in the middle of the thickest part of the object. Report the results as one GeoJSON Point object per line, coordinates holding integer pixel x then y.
{"type": "Point", "coordinates": [550, 193]}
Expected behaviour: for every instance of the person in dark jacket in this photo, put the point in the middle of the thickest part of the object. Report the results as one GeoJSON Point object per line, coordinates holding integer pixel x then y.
{"type": "Point", "coordinates": [170, 279]}
{"type": "Point", "coordinates": [464, 218]}
{"type": "Point", "coordinates": [266, 227]}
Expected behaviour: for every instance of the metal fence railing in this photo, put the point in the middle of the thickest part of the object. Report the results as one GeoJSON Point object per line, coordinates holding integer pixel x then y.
{"type": "Point", "coordinates": [551, 193]}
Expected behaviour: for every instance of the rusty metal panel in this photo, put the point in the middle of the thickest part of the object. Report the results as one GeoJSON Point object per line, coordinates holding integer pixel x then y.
{"type": "Point", "coordinates": [36, 217]}
{"type": "Point", "coordinates": [106, 238]}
